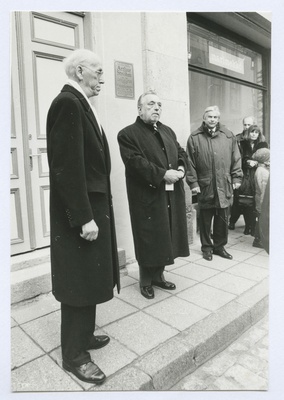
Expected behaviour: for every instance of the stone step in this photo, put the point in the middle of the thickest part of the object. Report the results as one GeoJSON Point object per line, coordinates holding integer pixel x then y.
{"type": "Point", "coordinates": [31, 274]}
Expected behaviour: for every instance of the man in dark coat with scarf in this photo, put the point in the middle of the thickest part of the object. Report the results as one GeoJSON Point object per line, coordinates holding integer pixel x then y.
{"type": "Point", "coordinates": [236, 209]}
{"type": "Point", "coordinates": [155, 165]}
{"type": "Point", "coordinates": [214, 171]}
{"type": "Point", "coordinates": [84, 260]}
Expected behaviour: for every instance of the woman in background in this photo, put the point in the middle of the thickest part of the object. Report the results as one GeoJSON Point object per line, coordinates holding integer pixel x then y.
{"type": "Point", "coordinates": [253, 141]}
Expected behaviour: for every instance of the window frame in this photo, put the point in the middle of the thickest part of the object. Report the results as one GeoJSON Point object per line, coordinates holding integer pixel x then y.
{"type": "Point", "coordinates": [201, 21]}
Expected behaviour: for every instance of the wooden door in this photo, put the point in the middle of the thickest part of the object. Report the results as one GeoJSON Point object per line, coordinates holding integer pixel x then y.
{"type": "Point", "coordinates": [39, 43]}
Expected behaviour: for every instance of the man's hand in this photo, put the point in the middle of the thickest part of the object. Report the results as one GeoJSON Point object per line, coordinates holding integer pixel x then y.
{"type": "Point", "coordinates": [236, 185]}
{"type": "Point", "coordinates": [195, 190]}
{"type": "Point", "coordinates": [252, 163]}
{"type": "Point", "coordinates": [172, 176]}
{"type": "Point", "coordinates": [90, 231]}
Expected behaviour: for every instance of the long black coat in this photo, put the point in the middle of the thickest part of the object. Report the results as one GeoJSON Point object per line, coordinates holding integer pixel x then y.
{"type": "Point", "coordinates": [83, 272]}
{"type": "Point", "coordinates": [158, 217]}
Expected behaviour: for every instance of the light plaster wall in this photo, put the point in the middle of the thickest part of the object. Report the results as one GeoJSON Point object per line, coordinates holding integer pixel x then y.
{"type": "Point", "coordinates": [166, 67]}
{"type": "Point", "coordinates": [116, 36]}
{"type": "Point", "coordinates": [155, 43]}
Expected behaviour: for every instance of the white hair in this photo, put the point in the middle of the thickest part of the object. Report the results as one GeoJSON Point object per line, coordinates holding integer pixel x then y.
{"type": "Point", "coordinates": [211, 108]}
{"type": "Point", "coordinates": [77, 57]}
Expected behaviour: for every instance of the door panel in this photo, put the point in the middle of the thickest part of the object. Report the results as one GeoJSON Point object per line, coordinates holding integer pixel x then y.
{"type": "Point", "coordinates": [44, 40]}
{"type": "Point", "coordinates": [19, 230]}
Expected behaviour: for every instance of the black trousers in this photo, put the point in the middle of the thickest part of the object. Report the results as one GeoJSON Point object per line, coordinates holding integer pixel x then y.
{"type": "Point", "coordinates": [149, 274]}
{"type": "Point", "coordinates": [77, 328]}
{"type": "Point", "coordinates": [220, 228]}
{"type": "Point", "coordinates": [248, 213]}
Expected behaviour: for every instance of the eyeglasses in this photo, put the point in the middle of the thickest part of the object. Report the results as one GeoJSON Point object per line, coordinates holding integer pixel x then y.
{"type": "Point", "coordinates": [98, 72]}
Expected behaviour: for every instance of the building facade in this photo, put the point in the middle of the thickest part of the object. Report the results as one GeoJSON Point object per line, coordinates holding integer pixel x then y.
{"type": "Point", "coordinates": [193, 60]}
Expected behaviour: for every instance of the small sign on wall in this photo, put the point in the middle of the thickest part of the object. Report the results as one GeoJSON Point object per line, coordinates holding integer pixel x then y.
{"type": "Point", "coordinates": [124, 80]}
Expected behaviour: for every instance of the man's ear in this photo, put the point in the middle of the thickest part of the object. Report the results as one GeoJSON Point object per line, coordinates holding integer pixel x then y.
{"type": "Point", "coordinates": [78, 72]}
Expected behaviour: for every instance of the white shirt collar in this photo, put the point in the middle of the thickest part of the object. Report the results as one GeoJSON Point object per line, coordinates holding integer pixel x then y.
{"type": "Point", "coordinates": [77, 87]}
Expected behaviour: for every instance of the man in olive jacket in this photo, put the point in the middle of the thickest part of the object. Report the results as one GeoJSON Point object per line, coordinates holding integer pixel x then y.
{"type": "Point", "coordinates": [84, 260]}
{"type": "Point", "coordinates": [155, 164]}
{"type": "Point", "coordinates": [214, 171]}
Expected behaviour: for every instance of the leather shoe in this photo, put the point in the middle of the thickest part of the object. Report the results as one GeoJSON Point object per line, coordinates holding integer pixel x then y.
{"type": "Point", "coordinates": [147, 291]}
{"type": "Point", "coordinates": [247, 230]}
{"type": "Point", "coordinates": [231, 226]}
{"type": "Point", "coordinates": [88, 372]}
{"type": "Point", "coordinates": [207, 255]}
{"type": "Point", "coordinates": [97, 342]}
{"type": "Point", "coordinates": [222, 253]}
{"type": "Point", "coordinates": [164, 285]}
{"type": "Point", "coordinates": [257, 243]}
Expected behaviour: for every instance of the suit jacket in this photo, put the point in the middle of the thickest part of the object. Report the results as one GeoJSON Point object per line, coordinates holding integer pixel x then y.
{"type": "Point", "coordinates": [83, 272]}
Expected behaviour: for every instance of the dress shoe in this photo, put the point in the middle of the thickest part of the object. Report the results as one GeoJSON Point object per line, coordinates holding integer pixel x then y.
{"type": "Point", "coordinates": [147, 291]}
{"type": "Point", "coordinates": [98, 342]}
{"type": "Point", "coordinates": [164, 285]}
{"type": "Point", "coordinates": [247, 230]}
{"type": "Point", "coordinates": [257, 243]}
{"type": "Point", "coordinates": [88, 372]}
{"type": "Point", "coordinates": [222, 253]}
{"type": "Point", "coordinates": [231, 226]}
{"type": "Point", "coordinates": [207, 255]}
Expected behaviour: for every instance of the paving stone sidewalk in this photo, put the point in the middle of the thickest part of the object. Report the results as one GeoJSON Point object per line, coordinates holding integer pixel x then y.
{"type": "Point", "coordinates": [153, 342]}
{"type": "Point", "coordinates": [241, 366]}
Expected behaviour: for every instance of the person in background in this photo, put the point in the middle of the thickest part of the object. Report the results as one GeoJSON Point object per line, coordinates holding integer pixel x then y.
{"type": "Point", "coordinates": [155, 165]}
{"type": "Point", "coordinates": [84, 259]}
{"type": "Point", "coordinates": [214, 171]}
{"type": "Point", "coordinates": [262, 157]}
{"type": "Point", "coordinates": [236, 209]}
{"type": "Point", "coordinates": [264, 228]}
{"type": "Point", "coordinates": [253, 141]}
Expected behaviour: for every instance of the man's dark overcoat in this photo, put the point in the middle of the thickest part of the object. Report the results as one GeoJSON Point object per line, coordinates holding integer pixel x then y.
{"type": "Point", "coordinates": [158, 217]}
{"type": "Point", "coordinates": [83, 272]}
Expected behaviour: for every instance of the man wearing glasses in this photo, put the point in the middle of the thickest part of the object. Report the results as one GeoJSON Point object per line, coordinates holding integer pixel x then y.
{"type": "Point", "coordinates": [155, 165]}
{"type": "Point", "coordinates": [84, 260]}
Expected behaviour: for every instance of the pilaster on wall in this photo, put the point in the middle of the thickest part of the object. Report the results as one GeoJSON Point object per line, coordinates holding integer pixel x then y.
{"type": "Point", "coordinates": [165, 68]}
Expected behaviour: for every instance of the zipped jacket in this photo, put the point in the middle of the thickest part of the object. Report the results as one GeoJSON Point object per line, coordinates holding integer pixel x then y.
{"type": "Point", "coordinates": [214, 165]}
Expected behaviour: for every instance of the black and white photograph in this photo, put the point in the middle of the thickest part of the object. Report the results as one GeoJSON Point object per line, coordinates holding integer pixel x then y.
{"type": "Point", "coordinates": [144, 160]}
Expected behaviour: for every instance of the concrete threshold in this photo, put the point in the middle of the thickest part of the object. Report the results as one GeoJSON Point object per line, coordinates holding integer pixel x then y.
{"type": "Point", "coordinates": [31, 274]}
{"type": "Point", "coordinates": [168, 363]}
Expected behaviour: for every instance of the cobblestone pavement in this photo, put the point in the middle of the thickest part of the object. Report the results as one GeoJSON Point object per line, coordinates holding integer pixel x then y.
{"type": "Point", "coordinates": [241, 366]}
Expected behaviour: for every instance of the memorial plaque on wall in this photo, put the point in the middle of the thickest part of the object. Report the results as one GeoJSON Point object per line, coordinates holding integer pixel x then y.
{"type": "Point", "coordinates": [124, 80]}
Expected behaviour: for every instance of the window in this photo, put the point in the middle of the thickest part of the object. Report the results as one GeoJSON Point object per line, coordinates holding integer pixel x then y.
{"type": "Point", "coordinates": [227, 74]}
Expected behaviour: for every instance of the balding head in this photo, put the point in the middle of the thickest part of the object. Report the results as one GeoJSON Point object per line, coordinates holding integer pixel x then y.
{"type": "Point", "coordinates": [247, 122]}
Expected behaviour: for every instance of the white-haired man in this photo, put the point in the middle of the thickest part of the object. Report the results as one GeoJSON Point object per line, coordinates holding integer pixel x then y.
{"type": "Point", "coordinates": [84, 260]}
{"type": "Point", "coordinates": [214, 171]}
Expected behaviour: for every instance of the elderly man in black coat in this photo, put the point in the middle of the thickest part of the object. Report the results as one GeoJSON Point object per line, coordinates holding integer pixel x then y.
{"type": "Point", "coordinates": [155, 164]}
{"type": "Point", "coordinates": [84, 260]}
